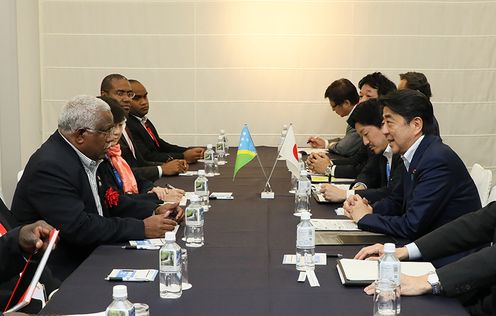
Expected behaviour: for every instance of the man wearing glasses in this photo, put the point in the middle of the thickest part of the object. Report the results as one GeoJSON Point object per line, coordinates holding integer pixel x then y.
{"type": "Point", "coordinates": [60, 185]}
{"type": "Point", "coordinates": [118, 88]}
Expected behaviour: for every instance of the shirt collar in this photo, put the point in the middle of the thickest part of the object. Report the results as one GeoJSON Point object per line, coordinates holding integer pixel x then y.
{"type": "Point", "coordinates": [408, 156]}
{"type": "Point", "coordinates": [352, 109]}
{"type": "Point", "coordinates": [86, 161]}
{"type": "Point", "coordinates": [388, 153]}
{"type": "Point", "coordinates": [141, 119]}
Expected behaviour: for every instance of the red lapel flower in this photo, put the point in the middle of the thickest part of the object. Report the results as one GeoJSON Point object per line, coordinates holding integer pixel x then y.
{"type": "Point", "coordinates": [111, 197]}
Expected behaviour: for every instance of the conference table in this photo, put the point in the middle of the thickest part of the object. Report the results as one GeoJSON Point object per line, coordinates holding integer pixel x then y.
{"type": "Point", "coordinates": [239, 270]}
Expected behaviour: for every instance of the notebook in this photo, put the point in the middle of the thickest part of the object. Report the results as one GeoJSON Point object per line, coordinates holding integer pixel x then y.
{"type": "Point", "coordinates": [363, 272]}
{"type": "Point", "coordinates": [28, 294]}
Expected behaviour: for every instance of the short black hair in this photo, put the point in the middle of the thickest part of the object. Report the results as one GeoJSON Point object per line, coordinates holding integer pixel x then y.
{"type": "Point", "coordinates": [117, 112]}
{"type": "Point", "coordinates": [410, 104]}
{"type": "Point", "coordinates": [367, 113]}
{"type": "Point", "coordinates": [378, 81]}
{"type": "Point", "coordinates": [417, 81]}
{"type": "Point", "coordinates": [107, 81]}
{"type": "Point", "coordinates": [341, 90]}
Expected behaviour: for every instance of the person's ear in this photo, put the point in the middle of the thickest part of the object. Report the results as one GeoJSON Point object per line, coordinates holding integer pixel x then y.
{"type": "Point", "coordinates": [418, 124]}
{"type": "Point", "coordinates": [79, 136]}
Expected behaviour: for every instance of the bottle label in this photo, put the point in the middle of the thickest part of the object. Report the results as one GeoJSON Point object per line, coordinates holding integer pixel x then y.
{"type": "Point", "coordinates": [220, 147]}
{"type": "Point", "coordinates": [305, 237]}
{"type": "Point", "coordinates": [201, 187]}
{"type": "Point", "coordinates": [170, 260]}
{"type": "Point", "coordinates": [121, 312]}
{"type": "Point", "coordinates": [390, 271]}
{"type": "Point", "coordinates": [209, 155]}
{"type": "Point", "coordinates": [194, 216]}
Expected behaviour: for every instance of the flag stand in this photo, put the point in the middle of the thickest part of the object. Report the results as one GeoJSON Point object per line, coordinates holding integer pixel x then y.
{"type": "Point", "coordinates": [267, 192]}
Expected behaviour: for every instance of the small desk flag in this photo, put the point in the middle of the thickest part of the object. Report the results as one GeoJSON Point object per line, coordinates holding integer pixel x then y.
{"type": "Point", "coordinates": [289, 152]}
{"type": "Point", "coordinates": [246, 150]}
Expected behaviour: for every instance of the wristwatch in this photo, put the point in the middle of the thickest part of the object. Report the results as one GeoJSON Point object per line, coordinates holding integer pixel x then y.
{"type": "Point", "coordinates": [433, 280]}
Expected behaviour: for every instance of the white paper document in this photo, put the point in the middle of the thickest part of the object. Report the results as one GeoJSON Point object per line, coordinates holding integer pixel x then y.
{"type": "Point", "coordinates": [189, 173]}
{"type": "Point", "coordinates": [221, 196]}
{"type": "Point", "coordinates": [334, 224]}
{"type": "Point", "coordinates": [311, 150]}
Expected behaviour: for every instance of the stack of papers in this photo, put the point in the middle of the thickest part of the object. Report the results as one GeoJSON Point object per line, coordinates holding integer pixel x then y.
{"type": "Point", "coordinates": [221, 196]}
{"type": "Point", "coordinates": [334, 224]}
{"type": "Point", "coordinates": [189, 173]}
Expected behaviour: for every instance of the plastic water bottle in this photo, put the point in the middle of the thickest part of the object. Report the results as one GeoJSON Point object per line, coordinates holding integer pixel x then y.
{"type": "Point", "coordinates": [305, 244]}
{"type": "Point", "coordinates": [120, 305]}
{"type": "Point", "coordinates": [208, 158]}
{"type": "Point", "coordinates": [302, 195]}
{"type": "Point", "coordinates": [390, 270]}
{"type": "Point", "coordinates": [224, 137]}
{"type": "Point", "coordinates": [216, 166]}
{"type": "Point", "coordinates": [170, 268]}
{"type": "Point", "coordinates": [194, 223]}
{"type": "Point", "coordinates": [221, 149]}
{"type": "Point", "coordinates": [201, 190]}
{"type": "Point", "coordinates": [294, 179]}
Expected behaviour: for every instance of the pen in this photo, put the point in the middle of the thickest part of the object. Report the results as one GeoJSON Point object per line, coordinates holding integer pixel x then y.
{"type": "Point", "coordinates": [170, 186]}
{"type": "Point", "coordinates": [334, 255]}
{"type": "Point", "coordinates": [115, 279]}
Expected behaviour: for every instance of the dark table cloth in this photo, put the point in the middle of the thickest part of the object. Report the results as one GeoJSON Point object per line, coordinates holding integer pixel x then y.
{"type": "Point", "coordinates": [239, 270]}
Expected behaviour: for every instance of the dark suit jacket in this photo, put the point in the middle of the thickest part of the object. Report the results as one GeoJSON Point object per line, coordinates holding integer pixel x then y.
{"type": "Point", "coordinates": [143, 201]}
{"type": "Point", "coordinates": [349, 144]}
{"type": "Point", "coordinates": [12, 261]}
{"type": "Point", "coordinates": [472, 278]}
{"type": "Point", "coordinates": [55, 188]}
{"type": "Point", "coordinates": [140, 166]}
{"type": "Point", "coordinates": [374, 176]}
{"type": "Point", "coordinates": [352, 166]}
{"type": "Point", "coordinates": [437, 188]}
{"type": "Point", "coordinates": [146, 145]}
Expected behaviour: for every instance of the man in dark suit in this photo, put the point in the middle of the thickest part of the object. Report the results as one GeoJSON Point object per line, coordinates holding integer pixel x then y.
{"type": "Point", "coordinates": [117, 87]}
{"type": "Point", "coordinates": [146, 137]}
{"type": "Point", "coordinates": [383, 170]}
{"type": "Point", "coordinates": [436, 186]}
{"type": "Point", "coordinates": [60, 186]}
{"type": "Point", "coordinates": [372, 86]}
{"type": "Point", "coordinates": [470, 279]}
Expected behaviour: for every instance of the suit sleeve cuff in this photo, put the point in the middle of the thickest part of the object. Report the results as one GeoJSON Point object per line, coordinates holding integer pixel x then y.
{"type": "Point", "coordinates": [159, 171]}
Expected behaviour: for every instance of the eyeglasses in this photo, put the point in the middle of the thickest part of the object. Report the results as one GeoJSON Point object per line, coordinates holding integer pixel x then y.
{"type": "Point", "coordinates": [106, 133]}
{"type": "Point", "coordinates": [122, 93]}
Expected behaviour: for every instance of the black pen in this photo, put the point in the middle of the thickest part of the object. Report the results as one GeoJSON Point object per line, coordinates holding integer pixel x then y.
{"type": "Point", "coordinates": [334, 255]}
{"type": "Point", "coordinates": [115, 279]}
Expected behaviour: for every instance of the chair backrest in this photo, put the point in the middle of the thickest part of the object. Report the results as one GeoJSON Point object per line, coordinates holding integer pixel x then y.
{"type": "Point", "coordinates": [492, 195]}
{"type": "Point", "coordinates": [482, 178]}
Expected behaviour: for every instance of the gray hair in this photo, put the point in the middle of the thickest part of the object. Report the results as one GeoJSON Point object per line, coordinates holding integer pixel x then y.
{"type": "Point", "coordinates": [81, 112]}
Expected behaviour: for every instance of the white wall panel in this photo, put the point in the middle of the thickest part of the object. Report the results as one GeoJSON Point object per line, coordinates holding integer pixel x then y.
{"type": "Point", "coordinates": [214, 64]}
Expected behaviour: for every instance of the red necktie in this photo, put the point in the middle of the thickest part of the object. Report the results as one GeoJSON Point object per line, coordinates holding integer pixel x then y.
{"type": "Point", "coordinates": [150, 132]}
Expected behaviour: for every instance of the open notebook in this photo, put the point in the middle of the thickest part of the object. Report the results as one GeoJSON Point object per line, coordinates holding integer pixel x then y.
{"type": "Point", "coordinates": [28, 294]}
{"type": "Point", "coordinates": [363, 272]}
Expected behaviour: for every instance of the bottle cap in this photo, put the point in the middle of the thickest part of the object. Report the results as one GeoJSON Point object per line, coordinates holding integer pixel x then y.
{"type": "Point", "coordinates": [303, 173]}
{"type": "Point", "coordinates": [305, 215]}
{"type": "Point", "coordinates": [194, 198]}
{"type": "Point", "coordinates": [119, 291]}
{"type": "Point", "coordinates": [170, 236]}
{"type": "Point", "coordinates": [201, 172]}
{"type": "Point", "coordinates": [222, 131]}
{"type": "Point", "coordinates": [285, 126]}
{"type": "Point", "coordinates": [389, 248]}
{"type": "Point", "coordinates": [209, 146]}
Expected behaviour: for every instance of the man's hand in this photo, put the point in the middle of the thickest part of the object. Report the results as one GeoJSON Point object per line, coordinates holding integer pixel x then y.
{"type": "Point", "coordinates": [157, 225]}
{"type": "Point", "coordinates": [375, 251]}
{"type": "Point", "coordinates": [333, 193]}
{"type": "Point", "coordinates": [174, 167]}
{"type": "Point", "coordinates": [316, 142]}
{"type": "Point", "coordinates": [410, 285]}
{"type": "Point", "coordinates": [318, 162]}
{"type": "Point", "coordinates": [193, 154]}
{"type": "Point", "coordinates": [171, 210]}
{"type": "Point", "coordinates": [168, 195]}
{"type": "Point", "coordinates": [34, 237]}
{"type": "Point", "coordinates": [355, 208]}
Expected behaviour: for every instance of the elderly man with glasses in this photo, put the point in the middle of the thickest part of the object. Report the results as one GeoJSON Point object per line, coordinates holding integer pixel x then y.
{"type": "Point", "coordinates": [60, 185]}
